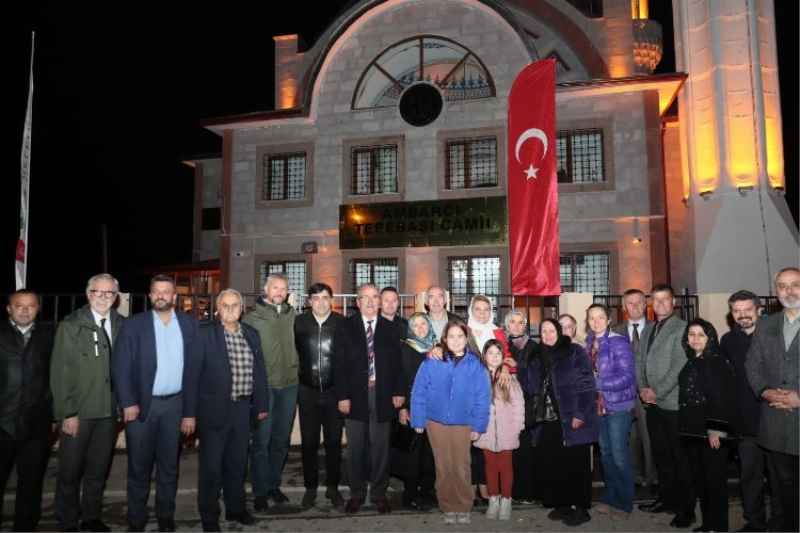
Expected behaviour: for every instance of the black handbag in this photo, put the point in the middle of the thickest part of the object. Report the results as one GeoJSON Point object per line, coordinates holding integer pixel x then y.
{"type": "Point", "coordinates": [404, 437]}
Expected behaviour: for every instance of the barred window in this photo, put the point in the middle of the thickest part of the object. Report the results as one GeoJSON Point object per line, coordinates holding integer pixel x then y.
{"type": "Point", "coordinates": [284, 176]}
{"type": "Point", "coordinates": [585, 272]}
{"type": "Point", "coordinates": [471, 162]}
{"type": "Point", "coordinates": [294, 270]}
{"type": "Point", "coordinates": [467, 276]}
{"type": "Point", "coordinates": [579, 156]}
{"type": "Point", "coordinates": [381, 272]}
{"type": "Point", "coordinates": [373, 169]}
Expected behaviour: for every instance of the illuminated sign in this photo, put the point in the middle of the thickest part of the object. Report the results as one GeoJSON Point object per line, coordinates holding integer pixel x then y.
{"type": "Point", "coordinates": [428, 223]}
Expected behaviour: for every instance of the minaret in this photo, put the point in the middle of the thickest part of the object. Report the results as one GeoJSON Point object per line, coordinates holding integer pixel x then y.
{"type": "Point", "coordinates": [737, 229]}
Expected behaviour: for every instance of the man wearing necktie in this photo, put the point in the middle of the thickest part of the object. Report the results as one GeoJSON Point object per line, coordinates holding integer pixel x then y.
{"type": "Point", "coordinates": [84, 405]}
{"type": "Point", "coordinates": [639, 450]}
{"type": "Point", "coordinates": [659, 359]}
{"type": "Point", "coordinates": [370, 388]}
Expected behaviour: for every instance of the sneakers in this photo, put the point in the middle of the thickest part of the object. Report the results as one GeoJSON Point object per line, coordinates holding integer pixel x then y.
{"type": "Point", "coordinates": [309, 498]}
{"type": "Point", "coordinates": [450, 518]}
{"type": "Point", "coordinates": [618, 515]}
{"type": "Point", "coordinates": [464, 518]}
{"type": "Point", "coordinates": [493, 510]}
{"type": "Point", "coordinates": [603, 508]}
{"type": "Point", "coordinates": [505, 509]}
{"type": "Point", "coordinates": [576, 516]}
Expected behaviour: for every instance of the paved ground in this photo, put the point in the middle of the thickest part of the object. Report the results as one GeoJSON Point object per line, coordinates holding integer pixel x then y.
{"type": "Point", "coordinates": [323, 517]}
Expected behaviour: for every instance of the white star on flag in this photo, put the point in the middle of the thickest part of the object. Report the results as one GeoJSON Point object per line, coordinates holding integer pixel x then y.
{"type": "Point", "coordinates": [531, 172]}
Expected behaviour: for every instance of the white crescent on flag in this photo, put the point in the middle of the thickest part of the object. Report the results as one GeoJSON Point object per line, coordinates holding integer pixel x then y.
{"type": "Point", "coordinates": [531, 133]}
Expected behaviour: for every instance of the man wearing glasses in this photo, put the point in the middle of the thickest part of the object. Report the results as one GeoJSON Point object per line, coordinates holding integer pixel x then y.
{"type": "Point", "coordinates": [84, 405]}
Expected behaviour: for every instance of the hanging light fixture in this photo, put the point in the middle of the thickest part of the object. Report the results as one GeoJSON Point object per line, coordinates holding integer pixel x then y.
{"type": "Point", "coordinates": [648, 42]}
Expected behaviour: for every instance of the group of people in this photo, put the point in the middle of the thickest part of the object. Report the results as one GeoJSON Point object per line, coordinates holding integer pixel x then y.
{"type": "Point", "coordinates": [498, 416]}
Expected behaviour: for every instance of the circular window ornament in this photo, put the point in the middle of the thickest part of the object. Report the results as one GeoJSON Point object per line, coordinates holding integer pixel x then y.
{"type": "Point", "coordinates": [420, 104]}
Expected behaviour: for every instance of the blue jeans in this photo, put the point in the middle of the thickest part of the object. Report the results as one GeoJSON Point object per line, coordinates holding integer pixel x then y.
{"type": "Point", "coordinates": [270, 441]}
{"type": "Point", "coordinates": [617, 469]}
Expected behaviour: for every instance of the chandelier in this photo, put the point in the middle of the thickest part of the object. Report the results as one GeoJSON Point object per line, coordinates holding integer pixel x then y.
{"type": "Point", "coordinates": [648, 45]}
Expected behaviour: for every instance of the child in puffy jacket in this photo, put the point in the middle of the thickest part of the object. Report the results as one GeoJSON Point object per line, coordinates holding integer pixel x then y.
{"type": "Point", "coordinates": [506, 420]}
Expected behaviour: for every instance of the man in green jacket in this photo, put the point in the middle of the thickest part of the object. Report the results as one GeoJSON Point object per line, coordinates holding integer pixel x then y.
{"type": "Point", "coordinates": [84, 405]}
{"type": "Point", "coordinates": [274, 318]}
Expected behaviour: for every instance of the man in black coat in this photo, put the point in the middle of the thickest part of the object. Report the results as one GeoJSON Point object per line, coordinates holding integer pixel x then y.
{"type": "Point", "coordinates": [368, 376]}
{"type": "Point", "coordinates": [26, 413]}
{"type": "Point", "coordinates": [316, 396]}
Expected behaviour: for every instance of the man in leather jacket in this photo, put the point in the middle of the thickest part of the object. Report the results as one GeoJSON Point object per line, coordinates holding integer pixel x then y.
{"type": "Point", "coordinates": [316, 397]}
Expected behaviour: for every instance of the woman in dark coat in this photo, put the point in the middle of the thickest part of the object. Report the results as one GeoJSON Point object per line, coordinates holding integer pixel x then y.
{"type": "Point", "coordinates": [708, 417]}
{"type": "Point", "coordinates": [562, 441]}
{"type": "Point", "coordinates": [523, 349]}
{"type": "Point", "coordinates": [416, 468]}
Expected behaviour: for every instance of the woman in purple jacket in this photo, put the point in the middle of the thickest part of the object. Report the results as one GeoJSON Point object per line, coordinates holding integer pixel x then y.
{"type": "Point", "coordinates": [614, 368]}
{"type": "Point", "coordinates": [562, 375]}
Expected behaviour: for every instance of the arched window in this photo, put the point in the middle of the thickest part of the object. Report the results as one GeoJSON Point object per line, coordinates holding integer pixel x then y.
{"type": "Point", "coordinates": [456, 71]}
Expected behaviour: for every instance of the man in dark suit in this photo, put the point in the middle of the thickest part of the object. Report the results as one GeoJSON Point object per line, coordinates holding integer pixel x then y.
{"type": "Point", "coordinates": [225, 393]}
{"type": "Point", "coordinates": [147, 370]}
{"type": "Point", "coordinates": [659, 360]}
{"type": "Point", "coordinates": [639, 450]}
{"type": "Point", "coordinates": [26, 412]}
{"type": "Point", "coordinates": [368, 376]}
{"type": "Point", "coordinates": [773, 372]}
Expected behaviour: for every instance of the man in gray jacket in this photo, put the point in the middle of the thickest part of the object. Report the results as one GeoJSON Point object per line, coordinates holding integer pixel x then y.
{"type": "Point", "coordinates": [772, 370]}
{"type": "Point", "coordinates": [659, 359]}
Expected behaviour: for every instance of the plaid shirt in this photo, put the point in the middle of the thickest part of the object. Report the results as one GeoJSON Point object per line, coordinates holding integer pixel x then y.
{"type": "Point", "coordinates": [241, 357]}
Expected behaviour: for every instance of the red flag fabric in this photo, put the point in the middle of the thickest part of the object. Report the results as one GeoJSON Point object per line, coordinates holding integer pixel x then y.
{"type": "Point", "coordinates": [532, 183]}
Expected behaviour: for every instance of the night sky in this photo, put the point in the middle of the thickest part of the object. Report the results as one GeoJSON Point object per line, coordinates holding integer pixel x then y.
{"type": "Point", "coordinates": [118, 91]}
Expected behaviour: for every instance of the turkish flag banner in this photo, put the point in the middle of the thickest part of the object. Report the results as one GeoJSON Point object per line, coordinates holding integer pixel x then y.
{"type": "Point", "coordinates": [532, 183]}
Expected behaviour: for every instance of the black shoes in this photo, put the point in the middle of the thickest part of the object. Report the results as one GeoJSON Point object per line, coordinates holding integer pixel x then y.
{"type": "Point", "coordinates": [333, 494]}
{"type": "Point", "coordinates": [244, 518]}
{"type": "Point", "coordinates": [261, 505]}
{"type": "Point", "coordinates": [309, 498]}
{"type": "Point", "coordinates": [576, 516]}
{"type": "Point", "coordinates": [559, 513]}
{"type": "Point", "coordinates": [277, 496]}
{"type": "Point", "coordinates": [683, 521]}
{"type": "Point", "coordinates": [414, 502]}
{"type": "Point", "coordinates": [211, 526]}
{"type": "Point", "coordinates": [94, 525]}
{"type": "Point", "coordinates": [656, 506]}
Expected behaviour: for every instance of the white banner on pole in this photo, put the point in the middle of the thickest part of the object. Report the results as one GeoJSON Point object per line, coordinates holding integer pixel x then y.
{"type": "Point", "coordinates": [21, 263]}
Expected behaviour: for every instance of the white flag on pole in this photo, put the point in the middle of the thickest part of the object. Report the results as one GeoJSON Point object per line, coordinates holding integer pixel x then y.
{"type": "Point", "coordinates": [21, 263]}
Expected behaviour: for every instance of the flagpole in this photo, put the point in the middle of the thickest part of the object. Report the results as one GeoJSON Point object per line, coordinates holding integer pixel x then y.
{"type": "Point", "coordinates": [21, 259]}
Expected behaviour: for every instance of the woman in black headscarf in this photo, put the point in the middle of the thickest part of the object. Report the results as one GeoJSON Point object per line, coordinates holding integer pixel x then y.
{"type": "Point", "coordinates": [562, 377]}
{"type": "Point", "coordinates": [708, 417]}
{"type": "Point", "coordinates": [415, 467]}
{"type": "Point", "coordinates": [523, 349]}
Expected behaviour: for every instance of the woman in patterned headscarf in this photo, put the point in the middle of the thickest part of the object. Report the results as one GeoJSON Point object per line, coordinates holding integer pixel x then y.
{"type": "Point", "coordinates": [417, 466]}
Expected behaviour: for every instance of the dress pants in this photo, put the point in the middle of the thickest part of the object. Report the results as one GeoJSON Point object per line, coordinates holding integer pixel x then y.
{"type": "Point", "coordinates": [270, 441]}
{"type": "Point", "coordinates": [675, 481]}
{"type": "Point", "coordinates": [369, 443]}
{"type": "Point", "coordinates": [30, 458]}
{"type": "Point", "coordinates": [753, 470]}
{"type": "Point", "coordinates": [222, 458]}
{"type": "Point", "coordinates": [320, 409]}
{"type": "Point", "coordinates": [83, 465]}
{"type": "Point", "coordinates": [639, 448]}
{"type": "Point", "coordinates": [157, 438]}
{"type": "Point", "coordinates": [783, 468]}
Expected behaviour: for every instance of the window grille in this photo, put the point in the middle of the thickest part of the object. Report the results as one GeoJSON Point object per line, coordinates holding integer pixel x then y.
{"type": "Point", "coordinates": [579, 156]}
{"type": "Point", "coordinates": [467, 276]}
{"type": "Point", "coordinates": [471, 162]}
{"type": "Point", "coordinates": [294, 270]}
{"type": "Point", "coordinates": [373, 169]}
{"type": "Point", "coordinates": [381, 272]}
{"type": "Point", "coordinates": [585, 272]}
{"type": "Point", "coordinates": [284, 176]}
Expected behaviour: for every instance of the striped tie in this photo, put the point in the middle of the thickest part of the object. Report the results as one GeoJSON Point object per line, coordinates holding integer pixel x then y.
{"type": "Point", "coordinates": [371, 351]}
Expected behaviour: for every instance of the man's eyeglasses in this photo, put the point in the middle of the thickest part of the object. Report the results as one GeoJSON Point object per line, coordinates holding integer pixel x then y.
{"type": "Point", "coordinates": [98, 293]}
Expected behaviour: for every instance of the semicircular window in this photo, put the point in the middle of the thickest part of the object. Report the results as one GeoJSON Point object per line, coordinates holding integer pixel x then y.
{"type": "Point", "coordinates": [455, 70]}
